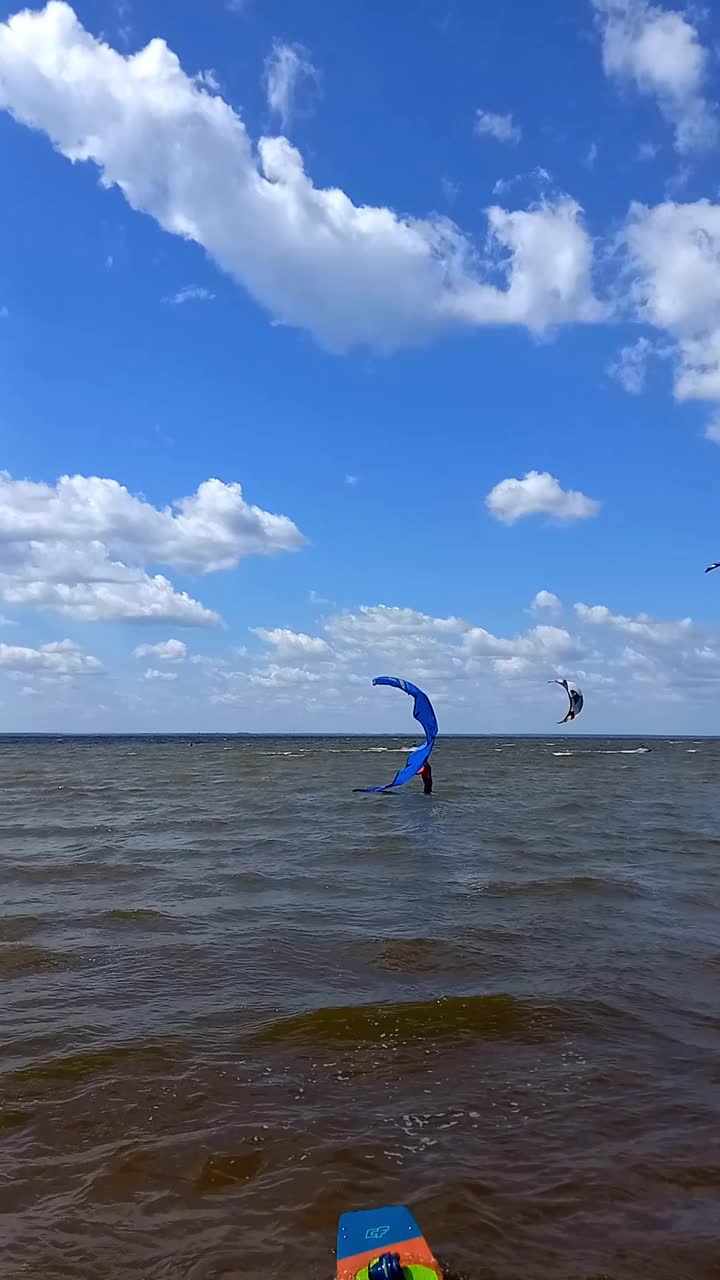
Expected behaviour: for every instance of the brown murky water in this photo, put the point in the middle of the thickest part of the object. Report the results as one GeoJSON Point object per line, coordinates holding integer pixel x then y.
{"type": "Point", "coordinates": [237, 999]}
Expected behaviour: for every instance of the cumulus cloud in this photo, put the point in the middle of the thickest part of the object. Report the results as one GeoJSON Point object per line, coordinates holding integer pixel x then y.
{"type": "Point", "coordinates": [624, 663]}
{"type": "Point", "coordinates": [60, 658]}
{"type": "Point", "coordinates": [673, 263]}
{"type": "Point", "coordinates": [138, 597]}
{"type": "Point", "coordinates": [672, 654]}
{"type": "Point", "coordinates": [212, 529]}
{"type": "Point", "coordinates": [276, 676]}
{"type": "Point", "coordinates": [352, 275]}
{"type": "Point", "coordinates": [546, 600]}
{"type": "Point", "coordinates": [81, 546]}
{"type": "Point", "coordinates": [502, 128]}
{"type": "Point", "coordinates": [164, 651]}
{"type": "Point", "coordinates": [643, 626]}
{"type": "Point", "coordinates": [389, 627]}
{"type": "Point", "coordinates": [538, 493]}
{"type": "Point", "coordinates": [287, 68]}
{"type": "Point", "coordinates": [287, 643]}
{"type": "Point", "coordinates": [542, 644]}
{"type": "Point", "coordinates": [658, 52]}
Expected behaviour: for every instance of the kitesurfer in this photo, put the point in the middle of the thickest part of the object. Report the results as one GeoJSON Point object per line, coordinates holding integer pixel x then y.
{"type": "Point", "coordinates": [417, 761]}
{"type": "Point", "coordinates": [426, 774]}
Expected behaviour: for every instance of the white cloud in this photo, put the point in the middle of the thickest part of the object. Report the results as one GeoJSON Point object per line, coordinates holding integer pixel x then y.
{"type": "Point", "coordinates": [659, 52]}
{"type": "Point", "coordinates": [286, 68]}
{"type": "Point", "coordinates": [164, 651]}
{"type": "Point", "coordinates": [670, 656]}
{"type": "Point", "coordinates": [212, 529]}
{"type": "Point", "coordinates": [351, 480]}
{"type": "Point", "coordinates": [546, 600]}
{"type": "Point", "coordinates": [350, 274]}
{"type": "Point", "coordinates": [550, 275]}
{"type": "Point", "coordinates": [673, 262]}
{"type": "Point", "coordinates": [627, 665]}
{"type": "Point", "coordinates": [276, 676]}
{"type": "Point", "coordinates": [191, 293]}
{"type": "Point", "coordinates": [389, 627]}
{"type": "Point", "coordinates": [538, 493]}
{"type": "Point", "coordinates": [4, 313]}
{"type": "Point", "coordinates": [140, 598]}
{"type": "Point", "coordinates": [630, 367]}
{"type": "Point", "coordinates": [60, 658]}
{"type": "Point", "coordinates": [545, 644]}
{"type": "Point", "coordinates": [652, 631]}
{"type": "Point", "coordinates": [512, 666]}
{"type": "Point", "coordinates": [81, 546]}
{"type": "Point", "coordinates": [293, 643]}
{"type": "Point", "coordinates": [488, 124]}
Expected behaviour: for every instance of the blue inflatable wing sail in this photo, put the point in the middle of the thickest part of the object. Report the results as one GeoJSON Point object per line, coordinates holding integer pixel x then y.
{"type": "Point", "coordinates": [424, 714]}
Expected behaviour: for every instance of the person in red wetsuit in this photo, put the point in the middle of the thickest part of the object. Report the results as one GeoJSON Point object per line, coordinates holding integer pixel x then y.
{"type": "Point", "coordinates": [426, 774]}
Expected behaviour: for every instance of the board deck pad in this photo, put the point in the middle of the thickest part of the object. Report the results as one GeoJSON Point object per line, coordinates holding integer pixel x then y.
{"type": "Point", "coordinates": [364, 1235]}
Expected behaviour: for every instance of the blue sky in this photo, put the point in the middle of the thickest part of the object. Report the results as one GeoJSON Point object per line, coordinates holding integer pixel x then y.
{"type": "Point", "coordinates": [439, 284]}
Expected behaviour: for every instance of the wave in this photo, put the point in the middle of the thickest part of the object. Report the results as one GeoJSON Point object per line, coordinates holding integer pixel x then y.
{"type": "Point", "coordinates": [134, 1058]}
{"type": "Point", "coordinates": [19, 960]}
{"type": "Point", "coordinates": [416, 955]}
{"type": "Point", "coordinates": [606, 751]}
{"type": "Point", "coordinates": [138, 915]}
{"type": "Point", "coordinates": [12, 928]}
{"type": "Point", "coordinates": [451, 1018]}
{"type": "Point", "coordinates": [565, 886]}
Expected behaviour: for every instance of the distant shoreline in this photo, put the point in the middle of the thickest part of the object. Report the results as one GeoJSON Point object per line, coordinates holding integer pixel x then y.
{"type": "Point", "coordinates": [405, 735]}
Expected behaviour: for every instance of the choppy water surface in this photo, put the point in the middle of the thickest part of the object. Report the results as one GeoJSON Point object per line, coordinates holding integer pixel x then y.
{"type": "Point", "coordinates": [237, 999]}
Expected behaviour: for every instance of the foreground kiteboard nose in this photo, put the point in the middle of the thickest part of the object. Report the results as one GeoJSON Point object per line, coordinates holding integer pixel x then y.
{"type": "Point", "coordinates": [383, 1244]}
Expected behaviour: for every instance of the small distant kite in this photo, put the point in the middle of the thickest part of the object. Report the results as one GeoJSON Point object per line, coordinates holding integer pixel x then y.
{"type": "Point", "coordinates": [713, 566]}
{"type": "Point", "coordinates": [576, 700]}
{"type": "Point", "coordinates": [424, 714]}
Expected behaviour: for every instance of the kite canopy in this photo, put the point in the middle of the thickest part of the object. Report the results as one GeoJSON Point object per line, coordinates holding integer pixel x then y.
{"type": "Point", "coordinates": [576, 700]}
{"type": "Point", "coordinates": [424, 714]}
